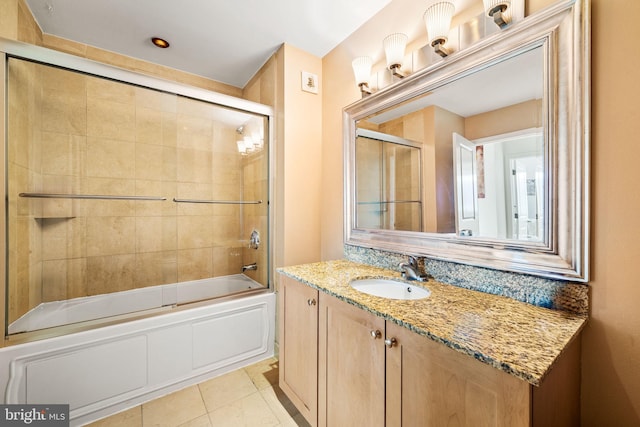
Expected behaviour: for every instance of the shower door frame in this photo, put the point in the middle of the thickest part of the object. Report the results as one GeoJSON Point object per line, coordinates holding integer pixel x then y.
{"type": "Point", "coordinates": [45, 56]}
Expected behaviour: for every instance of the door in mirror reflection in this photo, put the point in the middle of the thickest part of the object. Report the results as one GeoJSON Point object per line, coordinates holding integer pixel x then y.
{"type": "Point", "coordinates": [388, 172]}
{"type": "Point", "coordinates": [500, 186]}
{"type": "Point", "coordinates": [467, 181]}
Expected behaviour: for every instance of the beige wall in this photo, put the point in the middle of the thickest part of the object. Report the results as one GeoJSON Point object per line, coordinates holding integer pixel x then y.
{"type": "Point", "coordinates": [339, 91]}
{"type": "Point", "coordinates": [525, 115]}
{"type": "Point", "coordinates": [301, 169]}
{"type": "Point", "coordinates": [611, 343]}
{"type": "Point", "coordinates": [17, 23]}
{"type": "Point", "coordinates": [611, 340]}
{"type": "Point", "coordinates": [298, 151]}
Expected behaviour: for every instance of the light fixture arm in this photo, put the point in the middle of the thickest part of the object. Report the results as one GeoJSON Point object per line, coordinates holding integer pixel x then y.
{"type": "Point", "coordinates": [438, 47]}
{"type": "Point", "coordinates": [497, 14]}
{"type": "Point", "coordinates": [437, 19]}
{"type": "Point", "coordinates": [395, 70]}
{"type": "Point", "coordinates": [364, 89]}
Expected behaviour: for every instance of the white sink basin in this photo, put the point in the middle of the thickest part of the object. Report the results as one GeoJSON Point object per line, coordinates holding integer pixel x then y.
{"type": "Point", "coordinates": [390, 288]}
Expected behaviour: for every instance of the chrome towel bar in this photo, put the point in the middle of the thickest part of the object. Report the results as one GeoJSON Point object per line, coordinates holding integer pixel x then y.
{"type": "Point", "coordinates": [219, 202]}
{"type": "Point", "coordinates": [89, 196]}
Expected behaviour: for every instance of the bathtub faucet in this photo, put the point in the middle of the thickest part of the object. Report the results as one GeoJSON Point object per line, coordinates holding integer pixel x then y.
{"type": "Point", "coordinates": [253, 266]}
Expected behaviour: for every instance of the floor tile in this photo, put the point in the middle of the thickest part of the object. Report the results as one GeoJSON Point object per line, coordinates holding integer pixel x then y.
{"type": "Point", "coordinates": [279, 404]}
{"type": "Point", "coordinates": [202, 421]}
{"type": "Point", "coordinates": [246, 397]}
{"type": "Point", "coordinates": [226, 389]}
{"type": "Point", "coordinates": [174, 409]}
{"type": "Point", "coordinates": [264, 374]}
{"type": "Point", "coordinates": [300, 421]}
{"type": "Point", "coordinates": [129, 418]}
{"type": "Point", "coordinates": [250, 411]}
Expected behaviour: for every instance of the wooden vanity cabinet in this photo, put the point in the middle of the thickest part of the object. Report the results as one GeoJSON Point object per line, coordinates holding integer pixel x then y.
{"type": "Point", "coordinates": [351, 367]}
{"type": "Point", "coordinates": [376, 373]}
{"type": "Point", "coordinates": [298, 337]}
{"type": "Point", "coordinates": [373, 372]}
{"type": "Point", "coordinates": [429, 384]}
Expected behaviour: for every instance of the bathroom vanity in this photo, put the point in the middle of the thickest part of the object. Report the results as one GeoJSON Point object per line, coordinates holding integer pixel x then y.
{"type": "Point", "coordinates": [457, 356]}
{"type": "Point", "coordinates": [442, 166]}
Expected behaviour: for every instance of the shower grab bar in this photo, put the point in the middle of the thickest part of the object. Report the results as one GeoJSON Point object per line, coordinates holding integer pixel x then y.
{"type": "Point", "coordinates": [220, 202]}
{"type": "Point", "coordinates": [89, 196]}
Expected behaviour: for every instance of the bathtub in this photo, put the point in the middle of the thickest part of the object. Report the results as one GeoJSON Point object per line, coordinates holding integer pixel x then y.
{"type": "Point", "coordinates": [105, 370]}
{"type": "Point", "coordinates": [84, 309]}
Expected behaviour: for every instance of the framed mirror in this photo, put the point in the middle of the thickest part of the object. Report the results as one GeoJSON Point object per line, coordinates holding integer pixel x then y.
{"type": "Point", "coordinates": [481, 158]}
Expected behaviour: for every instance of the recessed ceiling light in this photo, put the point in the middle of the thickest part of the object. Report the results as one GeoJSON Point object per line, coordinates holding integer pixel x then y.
{"type": "Point", "coordinates": [160, 42]}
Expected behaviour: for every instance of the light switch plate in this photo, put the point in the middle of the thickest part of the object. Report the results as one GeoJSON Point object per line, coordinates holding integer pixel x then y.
{"type": "Point", "coordinates": [309, 82]}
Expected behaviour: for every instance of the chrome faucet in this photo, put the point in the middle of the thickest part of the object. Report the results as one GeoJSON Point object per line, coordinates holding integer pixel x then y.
{"type": "Point", "coordinates": [253, 266]}
{"type": "Point", "coordinates": [411, 271]}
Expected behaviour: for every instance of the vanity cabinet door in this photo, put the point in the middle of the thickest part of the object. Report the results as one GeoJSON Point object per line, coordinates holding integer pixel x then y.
{"type": "Point", "coordinates": [429, 384]}
{"type": "Point", "coordinates": [351, 366]}
{"type": "Point", "coordinates": [298, 370]}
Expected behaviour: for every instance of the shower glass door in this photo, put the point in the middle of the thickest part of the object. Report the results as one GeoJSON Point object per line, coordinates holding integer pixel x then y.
{"type": "Point", "coordinates": [122, 190]}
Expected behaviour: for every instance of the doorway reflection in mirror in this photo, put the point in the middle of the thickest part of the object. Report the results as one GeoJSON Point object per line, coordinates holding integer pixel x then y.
{"type": "Point", "coordinates": [511, 203]}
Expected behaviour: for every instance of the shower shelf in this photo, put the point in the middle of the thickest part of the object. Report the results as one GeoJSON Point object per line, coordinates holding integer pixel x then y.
{"type": "Point", "coordinates": [220, 202]}
{"type": "Point", "coordinates": [89, 196]}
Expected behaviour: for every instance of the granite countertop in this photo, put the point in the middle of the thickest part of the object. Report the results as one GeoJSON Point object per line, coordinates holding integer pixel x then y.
{"type": "Point", "coordinates": [515, 337]}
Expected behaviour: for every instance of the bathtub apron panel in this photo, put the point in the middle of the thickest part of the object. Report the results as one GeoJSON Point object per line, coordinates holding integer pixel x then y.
{"type": "Point", "coordinates": [103, 371]}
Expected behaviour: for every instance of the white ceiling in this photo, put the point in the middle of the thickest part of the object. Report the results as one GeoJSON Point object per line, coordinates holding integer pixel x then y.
{"type": "Point", "coordinates": [225, 40]}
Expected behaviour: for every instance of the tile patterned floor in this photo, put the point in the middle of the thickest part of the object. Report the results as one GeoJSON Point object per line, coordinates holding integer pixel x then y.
{"type": "Point", "coordinates": [246, 397]}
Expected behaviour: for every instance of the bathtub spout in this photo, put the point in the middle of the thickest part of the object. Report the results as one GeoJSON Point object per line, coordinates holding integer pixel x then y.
{"type": "Point", "coordinates": [253, 266]}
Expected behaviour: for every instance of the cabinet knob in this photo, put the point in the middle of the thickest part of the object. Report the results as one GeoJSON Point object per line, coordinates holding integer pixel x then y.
{"type": "Point", "coordinates": [390, 342]}
{"type": "Point", "coordinates": [311, 301]}
{"type": "Point", "coordinates": [376, 334]}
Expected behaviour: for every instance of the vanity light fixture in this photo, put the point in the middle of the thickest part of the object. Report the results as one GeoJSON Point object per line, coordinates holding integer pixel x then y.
{"type": "Point", "coordinates": [362, 71]}
{"type": "Point", "coordinates": [437, 19]}
{"type": "Point", "coordinates": [160, 42]}
{"type": "Point", "coordinates": [394, 47]}
{"type": "Point", "coordinates": [497, 9]}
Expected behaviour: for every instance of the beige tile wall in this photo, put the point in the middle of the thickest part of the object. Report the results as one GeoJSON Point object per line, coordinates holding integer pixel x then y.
{"type": "Point", "coordinates": [25, 253]}
{"type": "Point", "coordinates": [72, 133]}
{"type": "Point", "coordinates": [256, 187]}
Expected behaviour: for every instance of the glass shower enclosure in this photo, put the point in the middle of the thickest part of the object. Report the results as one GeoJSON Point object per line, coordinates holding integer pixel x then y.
{"type": "Point", "coordinates": [127, 195]}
